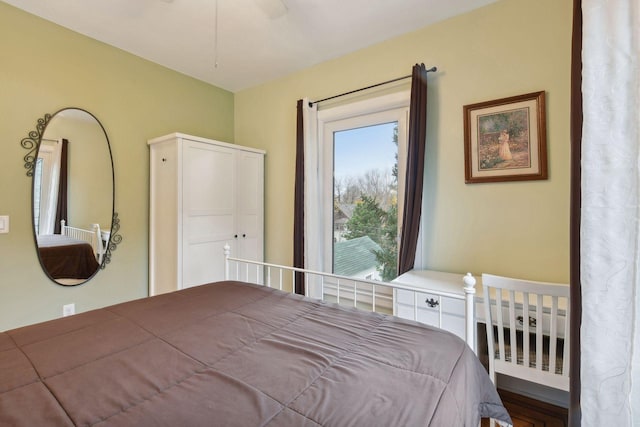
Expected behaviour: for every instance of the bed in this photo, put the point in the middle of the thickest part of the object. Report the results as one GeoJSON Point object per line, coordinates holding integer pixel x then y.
{"type": "Point", "coordinates": [239, 354]}
{"type": "Point", "coordinates": [75, 253]}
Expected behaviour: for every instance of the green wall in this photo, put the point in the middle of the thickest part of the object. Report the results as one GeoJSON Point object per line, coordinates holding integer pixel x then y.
{"type": "Point", "coordinates": [508, 48]}
{"type": "Point", "coordinates": [44, 68]}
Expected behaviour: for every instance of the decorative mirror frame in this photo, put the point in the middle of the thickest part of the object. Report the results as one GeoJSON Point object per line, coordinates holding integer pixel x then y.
{"type": "Point", "coordinates": [32, 143]}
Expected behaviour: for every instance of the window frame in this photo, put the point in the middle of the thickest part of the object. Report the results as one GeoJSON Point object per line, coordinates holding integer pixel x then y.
{"type": "Point", "coordinates": [373, 111]}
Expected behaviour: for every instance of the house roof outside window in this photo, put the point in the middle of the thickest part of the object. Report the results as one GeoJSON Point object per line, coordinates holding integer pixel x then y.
{"type": "Point", "coordinates": [355, 256]}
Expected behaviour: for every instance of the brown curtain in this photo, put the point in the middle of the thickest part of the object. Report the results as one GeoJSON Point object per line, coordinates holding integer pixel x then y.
{"type": "Point", "coordinates": [574, 233]}
{"type": "Point", "coordinates": [61, 207]}
{"type": "Point", "coordinates": [298, 211]}
{"type": "Point", "coordinates": [415, 169]}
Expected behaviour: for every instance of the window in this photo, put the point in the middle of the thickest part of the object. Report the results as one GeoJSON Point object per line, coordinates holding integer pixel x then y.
{"type": "Point", "coordinates": [364, 153]}
{"type": "Point", "coordinates": [365, 201]}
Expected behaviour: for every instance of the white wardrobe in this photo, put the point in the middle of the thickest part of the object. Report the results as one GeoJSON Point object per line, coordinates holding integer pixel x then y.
{"type": "Point", "coordinates": [203, 194]}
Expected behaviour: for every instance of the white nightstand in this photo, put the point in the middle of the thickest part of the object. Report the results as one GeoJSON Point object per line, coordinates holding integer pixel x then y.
{"type": "Point", "coordinates": [429, 305]}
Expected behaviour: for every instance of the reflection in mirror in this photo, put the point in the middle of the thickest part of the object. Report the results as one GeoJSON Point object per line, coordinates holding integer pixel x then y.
{"type": "Point", "coordinates": [73, 195]}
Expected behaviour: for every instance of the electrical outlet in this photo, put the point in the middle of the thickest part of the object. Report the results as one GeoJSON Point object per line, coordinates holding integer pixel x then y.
{"type": "Point", "coordinates": [68, 309]}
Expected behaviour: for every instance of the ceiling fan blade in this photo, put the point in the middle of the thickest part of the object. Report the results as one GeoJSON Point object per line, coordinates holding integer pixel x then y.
{"type": "Point", "coordinates": [272, 8]}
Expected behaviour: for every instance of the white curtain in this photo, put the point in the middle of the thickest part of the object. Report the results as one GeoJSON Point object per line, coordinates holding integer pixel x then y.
{"type": "Point", "coordinates": [313, 220]}
{"type": "Point", "coordinates": [610, 235]}
{"type": "Point", "coordinates": [49, 156]}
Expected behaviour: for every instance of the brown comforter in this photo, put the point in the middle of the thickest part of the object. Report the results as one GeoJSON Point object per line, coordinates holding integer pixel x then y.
{"type": "Point", "coordinates": [64, 257]}
{"type": "Point", "coordinates": [233, 354]}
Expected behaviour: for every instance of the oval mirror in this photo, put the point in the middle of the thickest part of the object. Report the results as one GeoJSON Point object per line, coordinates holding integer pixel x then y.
{"type": "Point", "coordinates": [73, 195]}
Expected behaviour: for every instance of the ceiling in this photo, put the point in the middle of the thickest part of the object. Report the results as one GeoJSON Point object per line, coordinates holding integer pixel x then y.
{"type": "Point", "coordinates": [249, 42]}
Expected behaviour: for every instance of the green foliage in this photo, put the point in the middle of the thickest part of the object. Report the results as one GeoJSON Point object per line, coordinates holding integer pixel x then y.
{"type": "Point", "coordinates": [394, 169]}
{"type": "Point", "coordinates": [489, 163]}
{"type": "Point", "coordinates": [366, 220]}
{"type": "Point", "coordinates": [381, 226]}
{"type": "Point", "coordinates": [514, 122]}
{"type": "Point", "coordinates": [387, 256]}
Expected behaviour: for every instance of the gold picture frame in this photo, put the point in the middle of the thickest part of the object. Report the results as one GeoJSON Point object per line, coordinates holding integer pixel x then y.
{"type": "Point", "coordinates": [506, 139]}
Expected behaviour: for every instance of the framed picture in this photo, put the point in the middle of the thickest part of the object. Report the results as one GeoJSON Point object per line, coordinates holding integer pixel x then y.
{"type": "Point", "coordinates": [506, 139]}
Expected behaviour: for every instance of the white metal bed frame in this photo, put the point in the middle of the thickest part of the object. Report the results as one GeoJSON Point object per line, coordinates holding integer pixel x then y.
{"type": "Point", "coordinates": [93, 237]}
{"type": "Point", "coordinates": [261, 273]}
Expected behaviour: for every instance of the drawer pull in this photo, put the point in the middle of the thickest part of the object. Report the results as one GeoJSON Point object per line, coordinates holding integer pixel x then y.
{"type": "Point", "coordinates": [432, 302]}
{"type": "Point", "coordinates": [532, 320]}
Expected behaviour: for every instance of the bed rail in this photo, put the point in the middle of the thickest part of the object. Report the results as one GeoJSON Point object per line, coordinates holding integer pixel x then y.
{"type": "Point", "coordinates": [364, 294]}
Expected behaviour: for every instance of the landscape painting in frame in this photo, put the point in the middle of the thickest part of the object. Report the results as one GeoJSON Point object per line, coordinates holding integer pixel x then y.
{"type": "Point", "coordinates": [506, 139]}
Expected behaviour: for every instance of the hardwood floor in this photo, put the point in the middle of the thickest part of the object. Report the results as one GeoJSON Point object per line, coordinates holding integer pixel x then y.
{"type": "Point", "coordinates": [526, 412]}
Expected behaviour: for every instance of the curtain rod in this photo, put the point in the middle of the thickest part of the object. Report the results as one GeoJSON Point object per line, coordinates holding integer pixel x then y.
{"type": "Point", "coordinates": [432, 69]}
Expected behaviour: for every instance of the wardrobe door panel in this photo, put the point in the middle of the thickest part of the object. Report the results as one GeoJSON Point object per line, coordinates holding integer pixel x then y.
{"type": "Point", "coordinates": [208, 189]}
{"type": "Point", "coordinates": [250, 202]}
{"type": "Point", "coordinates": [163, 221]}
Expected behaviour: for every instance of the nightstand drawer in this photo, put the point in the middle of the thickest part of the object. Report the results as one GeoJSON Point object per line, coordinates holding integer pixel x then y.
{"type": "Point", "coordinates": [430, 301]}
{"type": "Point", "coordinates": [428, 310]}
{"type": "Point", "coordinates": [446, 312]}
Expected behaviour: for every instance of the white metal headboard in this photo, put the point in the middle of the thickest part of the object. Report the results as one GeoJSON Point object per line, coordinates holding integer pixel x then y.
{"type": "Point", "coordinates": [93, 237]}
{"type": "Point", "coordinates": [275, 276]}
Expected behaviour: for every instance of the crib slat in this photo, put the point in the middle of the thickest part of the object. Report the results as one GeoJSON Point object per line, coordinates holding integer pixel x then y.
{"type": "Point", "coordinates": [539, 333]}
{"type": "Point", "coordinates": [553, 335]}
{"type": "Point", "coordinates": [500, 324]}
{"type": "Point", "coordinates": [513, 340]}
{"type": "Point", "coordinates": [526, 332]}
